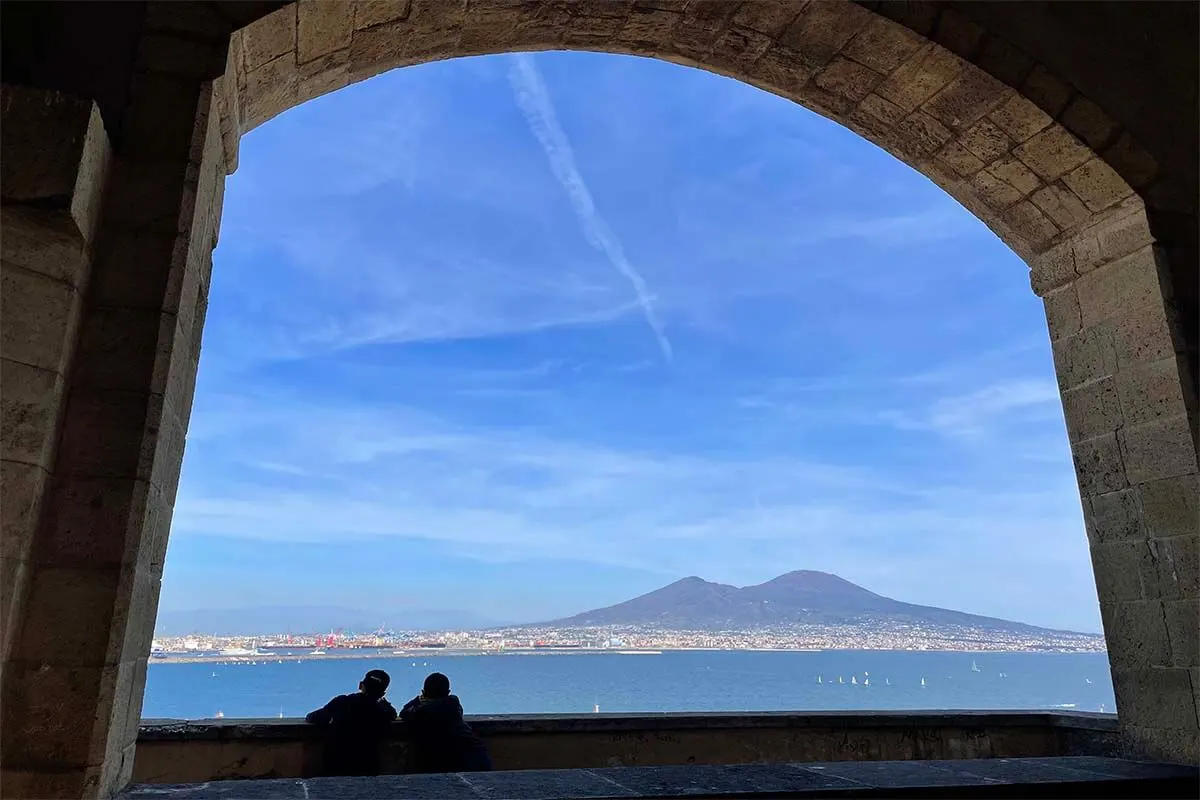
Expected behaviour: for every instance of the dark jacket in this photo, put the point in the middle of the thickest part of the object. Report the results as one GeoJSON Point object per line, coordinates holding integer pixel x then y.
{"type": "Point", "coordinates": [439, 739]}
{"type": "Point", "coordinates": [355, 727]}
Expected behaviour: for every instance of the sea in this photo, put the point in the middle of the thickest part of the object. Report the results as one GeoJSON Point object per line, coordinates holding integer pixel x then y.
{"type": "Point", "coordinates": [695, 680]}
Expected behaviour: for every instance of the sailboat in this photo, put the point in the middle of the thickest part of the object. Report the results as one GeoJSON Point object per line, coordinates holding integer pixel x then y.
{"type": "Point", "coordinates": [840, 679]}
{"type": "Point", "coordinates": [853, 681]}
{"type": "Point", "coordinates": [866, 681]}
{"type": "Point", "coordinates": [887, 681]}
{"type": "Point", "coordinates": [922, 681]}
{"type": "Point", "coordinates": [819, 679]}
{"type": "Point", "coordinates": [975, 667]}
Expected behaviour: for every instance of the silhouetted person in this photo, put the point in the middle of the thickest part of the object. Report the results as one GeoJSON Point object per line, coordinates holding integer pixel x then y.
{"type": "Point", "coordinates": [355, 726]}
{"type": "Point", "coordinates": [439, 739]}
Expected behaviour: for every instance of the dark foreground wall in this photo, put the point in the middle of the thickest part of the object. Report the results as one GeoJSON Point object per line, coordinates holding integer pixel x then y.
{"type": "Point", "coordinates": [182, 752]}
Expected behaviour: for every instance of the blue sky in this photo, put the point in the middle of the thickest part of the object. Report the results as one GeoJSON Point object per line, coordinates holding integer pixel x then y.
{"type": "Point", "coordinates": [523, 335]}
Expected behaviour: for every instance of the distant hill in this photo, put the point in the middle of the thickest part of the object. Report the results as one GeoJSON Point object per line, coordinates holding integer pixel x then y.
{"type": "Point", "coordinates": [801, 597]}
{"type": "Point", "coordinates": [311, 619]}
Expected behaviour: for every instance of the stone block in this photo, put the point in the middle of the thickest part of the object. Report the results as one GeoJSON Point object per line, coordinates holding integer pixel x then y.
{"type": "Point", "coordinates": [269, 38]}
{"type": "Point", "coordinates": [1132, 162]}
{"type": "Point", "coordinates": [272, 88]}
{"type": "Point", "coordinates": [121, 348]}
{"type": "Point", "coordinates": [824, 29]}
{"type": "Point", "coordinates": [1183, 631]}
{"type": "Point", "coordinates": [1019, 118]}
{"type": "Point", "coordinates": [40, 315]}
{"type": "Point", "coordinates": [966, 99]}
{"type": "Point", "coordinates": [768, 17]}
{"type": "Point", "coordinates": [1098, 465]}
{"type": "Point", "coordinates": [1052, 153]}
{"type": "Point", "coordinates": [109, 434]}
{"type": "Point", "coordinates": [44, 242]}
{"type": "Point", "coordinates": [161, 116]}
{"type": "Point", "coordinates": [882, 45]}
{"type": "Point", "coordinates": [781, 70]}
{"type": "Point", "coordinates": [1028, 222]}
{"type": "Point", "coordinates": [995, 192]}
{"type": "Point", "coordinates": [919, 135]}
{"type": "Point", "coordinates": [985, 140]}
{"type": "Point", "coordinates": [740, 47]}
{"type": "Point", "coordinates": [73, 616]}
{"type": "Point", "coordinates": [1162, 448]}
{"type": "Point", "coordinates": [1015, 174]}
{"type": "Point", "coordinates": [1171, 568]}
{"type": "Point", "coordinates": [1114, 517]}
{"type": "Point", "coordinates": [49, 697]}
{"type": "Point", "coordinates": [369, 13]}
{"type": "Point", "coordinates": [962, 161]}
{"type": "Point", "coordinates": [848, 79]}
{"type": "Point", "coordinates": [920, 77]}
{"type": "Point", "coordinates": [1047, 90]}
{"type": "Point", "coordinates": [1141, 335]}
{"type": "Point", "coordinates": [1092, 409]}
{"type": "Point", "coordinates": [96, 522]}
{"type": "Point", "coordinates": [1097, 184]}
{"type": "Point", "coordinates": [1062, 206]}
{"type": "Point", "coordinates": [13, 572]}
{"type": "Point", "coordinates": [1136, 635]}
{"type": "Point", "coordinates": [150, 196]}
{"type": "Point", "coordinates": [1053, 268]}
{"type": "Point", "coordinates": [1116, 569]}
{"type": "Point", "coordinates": [649, 30]}
{"type": "Point", "coordinates": [958, 34]}
{"type": "Point", "coordinates": [1127, 283]}
{"type": "Point", "coordinates": [1089, 123]}
{"type": "Point", "coordinates": [1170, 745]}
{"type": "Point", "coordinates": [1124, 234]}
{"type": "Point", "coordinates": [54, 153]}
{"type": "Point", "coordinates": [21, 487]}
{"type": "Point", "coordinates": [29, 408]}
{"type": "Point", "coordinates": [1087, 356]}
{"type": "Point", "coordinates": [143, 271]}
{"type": "Point", "coordinates": [1152, 391]}
{"type": "Point", "coordinates": [1171, 507]}
{"type": "Point", "coordinates": [1006, 63]}
{"type": "Point", "coordinates": [323, 26]}
{"type": "Point", "coordinates": [1159, 698]}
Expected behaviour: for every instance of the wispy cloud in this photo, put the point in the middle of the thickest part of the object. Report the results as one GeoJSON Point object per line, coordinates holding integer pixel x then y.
{"type": "Point", "coordinates": [538, 108]}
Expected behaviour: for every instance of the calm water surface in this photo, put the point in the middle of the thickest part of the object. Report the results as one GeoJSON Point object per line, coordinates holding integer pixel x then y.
{"type": "Point", "coordinates": [672, 681]}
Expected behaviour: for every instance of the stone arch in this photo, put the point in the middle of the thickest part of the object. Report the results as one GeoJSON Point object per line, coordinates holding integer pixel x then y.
{"type": "Point", "coordinates": [107, 259]}
{"type": "Point", "coordinates": [987, 145]}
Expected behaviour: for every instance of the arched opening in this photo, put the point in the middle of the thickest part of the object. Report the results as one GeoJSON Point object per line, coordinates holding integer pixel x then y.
{"type": "Point", "coordinates": [1031, 174]}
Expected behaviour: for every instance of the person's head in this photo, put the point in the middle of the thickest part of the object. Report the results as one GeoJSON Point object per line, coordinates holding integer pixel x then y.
{"type": "Point", "coordinates": [375, 683]}
{"type": "Point", "coordinates": [436, 686]}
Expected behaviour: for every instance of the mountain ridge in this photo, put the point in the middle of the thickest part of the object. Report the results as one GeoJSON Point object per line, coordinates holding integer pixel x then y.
{"type": "Point", "coordinates": [796, 597]}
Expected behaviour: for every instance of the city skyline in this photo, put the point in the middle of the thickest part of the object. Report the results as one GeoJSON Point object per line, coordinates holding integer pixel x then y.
{"type": "Point", "coordinates": [528, 334]}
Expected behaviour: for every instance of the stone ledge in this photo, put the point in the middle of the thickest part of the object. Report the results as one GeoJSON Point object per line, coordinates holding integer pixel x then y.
{"type": "Point", "coordinates": [1022, 777]}
{"type": "Point", "coordinates": [487, 725]}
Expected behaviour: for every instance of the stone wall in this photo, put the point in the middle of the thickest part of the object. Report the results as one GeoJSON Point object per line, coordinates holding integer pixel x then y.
{"type": "Point", "coordinates": [178, 752]}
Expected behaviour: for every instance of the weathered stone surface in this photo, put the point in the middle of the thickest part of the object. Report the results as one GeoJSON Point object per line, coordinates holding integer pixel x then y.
{"type": "Point", "coordinates": [1089, 123]}
{"type": "Point", "coordinates": [1183, 631]}
{"type": "Point", "coordinates": [40, 315]}
{"type": "Point", "coordinates": [1124, 234]}
{"type": "Point", "coordinates": [1112, 289]}
{"type": "Point", "coordinates": [1062, 206]}
{"type": "Point", "coordinates": [848, 79]}
{"type": "Point", "coordinates": [1116, 566]}
{"type": "Point", "coordinates": [882, 45]}
{"type": "Point", "coordinates": [1160, 696]}
{"type": "Point", "coordinates": [1046, 90]}
{"type": "Point", "coordinates": [1136, 635]}
{"type": "Point", "coordinates": [93, 522]}
{"type": "Point", "coordinates": [40, 241]}
{"type": "Point", "coordinates": [920, 77]}
{"type": "Point", "coordinates": [1132, 161]}
{"type": "Point", "coordinates": [1171, 507]}
{"type": "Point", "coordinates": [1152, 391]}
{"type": "Point", "coordinates": [1097, 184]}
{"type": "Point", "coordinates": [29, 408]}
{"type": "Point", "coordinates": [1171, 568]}
{"type": "Point", "coordinates": [966, 99]}
{"type": "Point", "coordinates": [1141, 334]}
{"type": "Point", "coordinates": [1098, 465]}
{"type": "Point", "coordinates": [1052, 153]}
{"type": "Point", "coordinates": [1162, 448]}
{"type": "Point", "coordinates": [1089, 355]}
{"type": "Point", "coordinates": [1030, 223]}
{"type": "Point", "coordinates": [1114, 517]}
{"type": "Point", "coordinates": [323, 27]}
{"type": "Point", "coordinates": [21, 486]}
{"type": "Point", "coordinates": [269, 38]}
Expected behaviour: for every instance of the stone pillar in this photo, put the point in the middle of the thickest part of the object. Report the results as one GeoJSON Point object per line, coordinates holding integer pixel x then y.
{"type": "Point", "coordinates": [76, 667]}
{"type": "Point", "coordinates": [54, 159]}
{"type": "Point", "coordinates": [1125, 387]}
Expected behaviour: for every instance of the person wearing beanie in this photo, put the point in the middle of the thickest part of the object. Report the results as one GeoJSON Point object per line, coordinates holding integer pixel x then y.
{"type": "Point", "coordinates": [356, 726]}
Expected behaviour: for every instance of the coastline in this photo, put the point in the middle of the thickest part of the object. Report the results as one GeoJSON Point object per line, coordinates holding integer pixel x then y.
{"type": "Point", "coordinates": [385, 653]}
